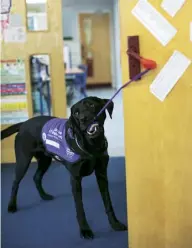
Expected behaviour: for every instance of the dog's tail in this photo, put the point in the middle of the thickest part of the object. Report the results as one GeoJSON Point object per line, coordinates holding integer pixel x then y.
{"type": "Point", "coordinates": [10, 130]}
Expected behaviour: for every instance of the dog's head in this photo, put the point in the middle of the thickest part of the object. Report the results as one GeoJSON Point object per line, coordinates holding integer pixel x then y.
{"type": "Point", "coordinates": [83, 114]}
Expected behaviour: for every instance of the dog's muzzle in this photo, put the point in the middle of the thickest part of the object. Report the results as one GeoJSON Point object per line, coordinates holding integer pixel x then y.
{"type": "Point", "coordinates": [93, 129]}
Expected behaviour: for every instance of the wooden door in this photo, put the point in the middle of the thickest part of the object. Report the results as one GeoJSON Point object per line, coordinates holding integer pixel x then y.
{"type": "Point", "coordinates": [37, 42]}
{"type": "Point", "coordinates": [158, 139]}
{"type": "Point", "coordinates": [96, 47]}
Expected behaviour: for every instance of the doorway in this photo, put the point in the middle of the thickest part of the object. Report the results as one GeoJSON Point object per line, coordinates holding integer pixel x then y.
{"type": "Point", "coordinates": [92, 37]}
{"type": "Point", "coordinates": [95, 47]}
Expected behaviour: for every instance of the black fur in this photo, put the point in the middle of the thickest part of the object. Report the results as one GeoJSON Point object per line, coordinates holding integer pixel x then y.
{"type": "Point", "coordinates": [28, 144]}
{"type": "Point", "coordinates": [10, 130]}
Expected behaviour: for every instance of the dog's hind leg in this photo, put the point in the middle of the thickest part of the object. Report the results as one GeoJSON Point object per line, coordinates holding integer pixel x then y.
{"type": "Point", "coordinates": [23, 159]}
{"type": "Point", "coordinates": [43, 164]}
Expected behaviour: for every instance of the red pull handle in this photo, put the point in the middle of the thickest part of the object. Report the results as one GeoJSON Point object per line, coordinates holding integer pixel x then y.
{"type": "Point", "coordinates": [146, 63]}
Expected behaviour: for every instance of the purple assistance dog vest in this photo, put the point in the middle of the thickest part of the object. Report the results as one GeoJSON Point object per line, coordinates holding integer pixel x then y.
{"type": "Point", "coordinates": [53, 136]}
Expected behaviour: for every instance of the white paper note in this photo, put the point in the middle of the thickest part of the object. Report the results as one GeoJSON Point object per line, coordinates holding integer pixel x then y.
{"type": "Point", "coordinates": [169, 75]}
{"type": "Point", "coordinates": [172, 6]}
{"type": "Point", "coordinates": [15, 35]}
{"type": "Point", "coordinates": [190, 31]}
{"type": "Point", "coordinates": [154, 22]}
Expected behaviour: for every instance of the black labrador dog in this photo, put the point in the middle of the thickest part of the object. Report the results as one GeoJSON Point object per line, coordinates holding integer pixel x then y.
{"type": "Point", "coordinates": [86, 152]}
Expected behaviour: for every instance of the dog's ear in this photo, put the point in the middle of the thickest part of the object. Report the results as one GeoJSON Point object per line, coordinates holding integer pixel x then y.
{"type": "Point", "coordinates": [73, 123]}
{"type": "Point", "coordinates": [109, 107]}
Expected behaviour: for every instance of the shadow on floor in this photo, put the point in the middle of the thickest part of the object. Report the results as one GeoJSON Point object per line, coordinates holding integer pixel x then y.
{"type": "Point", "coordinates": [52, 224]}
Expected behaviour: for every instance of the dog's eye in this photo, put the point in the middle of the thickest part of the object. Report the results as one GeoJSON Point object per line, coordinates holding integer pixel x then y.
{"type": "Point", "coordinates": [76, 113]}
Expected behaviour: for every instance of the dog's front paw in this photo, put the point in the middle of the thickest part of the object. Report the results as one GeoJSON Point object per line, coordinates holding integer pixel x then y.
{"type": "Point", "coordinates": [86, 234]}
{"type": "Point", "coordinates": [47, 197]}
{"type": "Point", "coordinates": [12, 208]}
{"type": "Point", "coordinates": [118, 226]}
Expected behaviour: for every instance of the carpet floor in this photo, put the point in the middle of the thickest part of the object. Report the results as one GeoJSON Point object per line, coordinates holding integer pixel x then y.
{"type": "Point", "coordinates": [52, 224]}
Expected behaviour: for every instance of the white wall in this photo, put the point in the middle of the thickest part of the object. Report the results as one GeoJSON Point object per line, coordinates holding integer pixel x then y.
{"type": "Point", "coordinates": [71, 10]}
{"type": "Point", "coordinates": [117, 45]}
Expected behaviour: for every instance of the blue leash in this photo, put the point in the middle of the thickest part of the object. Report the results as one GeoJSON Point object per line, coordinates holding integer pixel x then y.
{"type": "Point", "coordinates": [125, 85]}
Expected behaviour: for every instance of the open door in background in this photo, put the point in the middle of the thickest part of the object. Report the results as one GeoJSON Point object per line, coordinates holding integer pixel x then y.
{"type": "Point", "coordinates": [96, 47]}
{"type": "Point", "coordinates": [36, 31]}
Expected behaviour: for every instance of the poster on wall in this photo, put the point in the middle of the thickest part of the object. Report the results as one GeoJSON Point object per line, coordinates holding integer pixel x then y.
{"type": "Point", "coordinates": [12, 28]}
{"type": "Point", "coordinates": [13, 92]}
{"type": "Point", "coordinates": [5, 8]}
